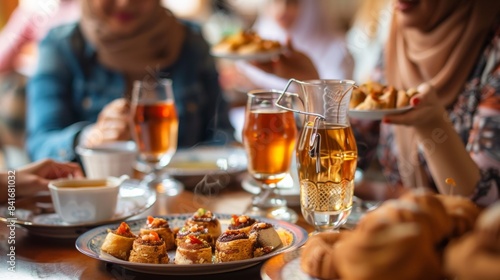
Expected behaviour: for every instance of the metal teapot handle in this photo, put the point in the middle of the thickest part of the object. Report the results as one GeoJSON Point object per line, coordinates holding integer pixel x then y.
{"type": "Point", "coordinates": [284, 92]}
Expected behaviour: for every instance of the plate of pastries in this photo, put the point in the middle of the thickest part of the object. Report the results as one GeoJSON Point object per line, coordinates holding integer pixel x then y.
{"type": "Point", "coordinates": [191, 244]}
{"type": "Point", "coordinates": [246, 45]}
{"type": "Point", "coordinates": [372, 101]}
{"type": "Point", "coordinates": [421, 235]}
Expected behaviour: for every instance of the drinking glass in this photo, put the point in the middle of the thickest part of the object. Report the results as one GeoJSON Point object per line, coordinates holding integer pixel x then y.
{"type": "Point", "coordinates": [269, 137]}
{"type": "Point", "coordinates": [154, 129]}
{"type": "Point", "coordinates": [326, 151]}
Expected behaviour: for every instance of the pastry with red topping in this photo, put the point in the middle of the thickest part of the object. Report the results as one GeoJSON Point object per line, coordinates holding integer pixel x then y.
{"type": "Point", "coordinates": [161, 227]}
{"type": "Point", "coordinates": [233, 245]}
{"type": "Point", "coordinates": [205, 218]}
{"type": "Point", "coordinates": [193, 250]}
{"type": "Point", "coordinates": [118, 243]}
{"type": "Point", "coordinates": [242, 222]}
{"type": "Point", "coordinates": [194, 230]}
{"type": "Point", "coordinates": [149, 248]}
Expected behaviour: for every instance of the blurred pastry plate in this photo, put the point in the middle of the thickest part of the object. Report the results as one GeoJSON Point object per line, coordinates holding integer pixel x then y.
{"type": "Point", "coordinates": [90, 242]}
{"type": "Point", "coordinates": [376, 114]}
{"type": "Point", "coordinates": [257, 56]}
{"type": "Point", "coordinates": [36, 213]}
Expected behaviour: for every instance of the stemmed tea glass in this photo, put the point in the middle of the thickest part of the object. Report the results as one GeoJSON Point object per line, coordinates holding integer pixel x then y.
{"type": "Point", "coordinates": [269, 137]}
{"type": "Point", "coordinates": [154, 129]}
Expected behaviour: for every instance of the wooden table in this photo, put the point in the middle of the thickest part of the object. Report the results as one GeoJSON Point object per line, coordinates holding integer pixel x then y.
{"type": "Point", "coordinates": [41, 257]}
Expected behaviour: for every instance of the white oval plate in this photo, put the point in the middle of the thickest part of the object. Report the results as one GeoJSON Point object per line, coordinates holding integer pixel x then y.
{"type": "Point", "coordinates": [376, 114]}
{"type": "Point", "coordinates": [36, 213]}
{"type": "Point", "coordinates": [90, 244]}
{"type": "Point", "coordinates": [260, 56]}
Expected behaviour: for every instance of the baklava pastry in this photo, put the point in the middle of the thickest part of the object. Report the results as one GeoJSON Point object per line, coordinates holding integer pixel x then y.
{"type": "Point", "coordinates": [242, 222]}
{"type": "Point", "coordinates": [118, 243]}
{"type": "Point", "coordinates": [233, 245]}
{"type": "Point", "coordinates": [161, 227]}
{"type": "Point", "coordinates": [266, 238]}
{"type": "Point", "coordinates": [208, 220]}
{"type": "Point", "coordinates": [195, 230]}
{"type": "Point", "coordinates": [193, 250]}
{"type": "Point", "coordinates": [149, 248]}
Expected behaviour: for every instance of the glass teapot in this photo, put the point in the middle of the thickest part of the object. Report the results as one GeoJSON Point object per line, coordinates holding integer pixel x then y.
{"type": "Point", "coordinates": [326, 151]}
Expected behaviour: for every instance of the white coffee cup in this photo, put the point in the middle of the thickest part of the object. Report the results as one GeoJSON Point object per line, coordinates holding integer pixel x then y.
{"type": "Point", "coordinates": [108, 160]}
{"type": "Point", "coordinates": [82, 201]}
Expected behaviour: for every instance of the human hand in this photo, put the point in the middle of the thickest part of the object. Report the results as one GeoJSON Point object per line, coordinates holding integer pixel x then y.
{"type": "Point", "coordinates": [35, 177]}
{"type": "Point", "coordinates": [427, 109]}
{"type": "Point", "coordinates": [112, 124]}
{"type": "Point", "coordinates": [291, 64]}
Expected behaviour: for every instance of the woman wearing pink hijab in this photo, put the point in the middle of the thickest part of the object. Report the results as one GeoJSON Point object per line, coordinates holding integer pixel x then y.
{"type": "Point", "coordinates": [449, 50]}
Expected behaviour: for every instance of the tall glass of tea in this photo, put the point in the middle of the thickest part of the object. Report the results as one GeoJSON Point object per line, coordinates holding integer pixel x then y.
{"type": "Point", "coordinates": [269, 137]}
{"type": "Point", "coordinates": [154, 129]}
{"type": "Point", "coordinates": [326, 151]}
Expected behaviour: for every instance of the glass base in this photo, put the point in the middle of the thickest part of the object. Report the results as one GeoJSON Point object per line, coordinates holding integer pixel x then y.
{"type": "Point", "coordinates": [278, 213]}
{"type": "Point", "coordinates": [326, 221]}
{"type": "Point", "coordinates": [268, 203]}
{"type": "Point", "coordinates": [163, 184]}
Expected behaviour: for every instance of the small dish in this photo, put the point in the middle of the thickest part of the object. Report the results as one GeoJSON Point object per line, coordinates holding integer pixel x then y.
{"type": "Point", "coordinates": [36, 213]}
{"type": "Point", "coordinates": [376, 114]}
{"type": "Point", "coordinates": [259, 56]}
{"type": "Point", "coordinates": [90, 244]}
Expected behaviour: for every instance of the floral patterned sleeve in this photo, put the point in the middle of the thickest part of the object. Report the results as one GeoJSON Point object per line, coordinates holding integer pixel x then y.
{"type": "Point", "coordinates": [484, 139]}
{"type": "Point", "coordinates": [481, 130]}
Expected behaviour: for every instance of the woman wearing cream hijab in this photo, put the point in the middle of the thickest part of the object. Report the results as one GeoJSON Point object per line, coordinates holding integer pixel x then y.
{"type": "Point", "coordinates": [80, 91]}
{"type": "Point", "coordinates": [450, 51]}
{"type": "Point", "coordinates": [447, 49]}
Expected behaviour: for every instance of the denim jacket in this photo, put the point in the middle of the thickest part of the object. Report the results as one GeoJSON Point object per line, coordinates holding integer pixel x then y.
{"type": "Point", "coordinates": [70, 87]}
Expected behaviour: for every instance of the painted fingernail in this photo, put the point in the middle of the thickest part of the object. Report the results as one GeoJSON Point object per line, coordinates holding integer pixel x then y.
{"type": "Point", "coordinates": [415, 101]}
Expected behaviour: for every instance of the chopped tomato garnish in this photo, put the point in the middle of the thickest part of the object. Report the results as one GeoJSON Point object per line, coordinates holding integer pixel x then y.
{"type": "Point", "coordinates": [150, 219]}
{"type": "Point", "coordinates": [123, 229]}
{"type": "Point", "coordinates": [234, 220]}
{"type": "Point", "coordinates": [194, 239]}
{"type": "Point", "coordinates": [152, 236]}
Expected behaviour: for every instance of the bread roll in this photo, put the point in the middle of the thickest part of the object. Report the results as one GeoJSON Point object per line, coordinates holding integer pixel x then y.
{"type": "Point", "coordinates": [317, 258]}
{"type": "Point", "coordinates": [438, 216]}
{"type": "Point", "coordinates": [387, 251]}
{"type": "Point", "coordinates": [476, 255]}
{"type": "Point", "coordinates": [462, 212]}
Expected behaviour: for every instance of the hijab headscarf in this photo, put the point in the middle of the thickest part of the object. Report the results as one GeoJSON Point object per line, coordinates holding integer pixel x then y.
{"type": "Point", "coordinates": [442, 55]}
{"type": "Point", "coordinates": [154, 45]}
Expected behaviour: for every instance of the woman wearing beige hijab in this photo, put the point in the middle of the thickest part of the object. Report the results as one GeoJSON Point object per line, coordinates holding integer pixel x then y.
{"type": "Point", "coordinates": [79, 93]}
{"type": "Point", "coordinates": [450, 51]}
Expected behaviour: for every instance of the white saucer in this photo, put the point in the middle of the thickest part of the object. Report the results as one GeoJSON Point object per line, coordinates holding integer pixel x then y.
{"type": "Point", "coordinates": [36, 213]}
